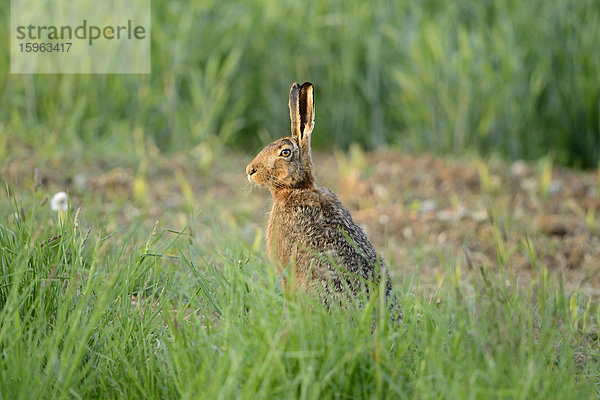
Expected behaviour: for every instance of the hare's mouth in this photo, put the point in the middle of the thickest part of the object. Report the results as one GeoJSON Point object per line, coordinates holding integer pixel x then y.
{"type": "Point", "coordinates": [252, 179]}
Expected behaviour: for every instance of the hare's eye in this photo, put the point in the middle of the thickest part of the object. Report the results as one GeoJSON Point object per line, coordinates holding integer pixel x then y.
{"type": "Point", "coordinates": [285, 153]}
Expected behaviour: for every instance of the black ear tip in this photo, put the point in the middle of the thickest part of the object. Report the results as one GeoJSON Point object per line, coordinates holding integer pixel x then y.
{"type": "Point", "coordinates": [306, 85]}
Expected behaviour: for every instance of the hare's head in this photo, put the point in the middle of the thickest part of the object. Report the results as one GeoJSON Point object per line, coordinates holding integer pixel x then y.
{"type": "Point", "coordinates": [286, 163]}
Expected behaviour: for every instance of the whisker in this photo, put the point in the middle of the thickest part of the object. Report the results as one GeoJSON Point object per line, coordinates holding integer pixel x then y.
{"type": "Point", "coordinates": [248, 187]}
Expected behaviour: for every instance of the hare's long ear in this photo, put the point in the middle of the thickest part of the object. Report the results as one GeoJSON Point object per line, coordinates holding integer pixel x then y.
{"type": "Point", "coordinates": [307, 113]}
{"type": "Point", "coordinates": [295, 110]}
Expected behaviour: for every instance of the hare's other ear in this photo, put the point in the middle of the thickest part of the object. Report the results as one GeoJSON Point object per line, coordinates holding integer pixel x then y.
{"type": "Point", "coordinates": [295, 110]}
{"type": "Point", "coordinates": [307, 112]}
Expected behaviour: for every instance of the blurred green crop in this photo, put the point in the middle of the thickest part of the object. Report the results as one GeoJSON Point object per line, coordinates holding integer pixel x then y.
{"type": "Point", "coordinates": [513, 78]}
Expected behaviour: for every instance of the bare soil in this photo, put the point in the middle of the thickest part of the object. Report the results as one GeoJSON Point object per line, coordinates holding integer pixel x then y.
{"type": "Point", "coordinates": [420, 211]}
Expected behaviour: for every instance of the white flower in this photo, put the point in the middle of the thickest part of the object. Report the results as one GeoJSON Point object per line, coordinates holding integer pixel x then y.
{"type": "Point", "coordinates": [60, 202]}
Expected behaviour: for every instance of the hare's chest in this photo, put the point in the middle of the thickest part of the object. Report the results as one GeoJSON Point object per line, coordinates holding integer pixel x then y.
{"type": "Point", "coordinates": [295, 228]}
{"type": "Point", "coordinates": [283, 232]}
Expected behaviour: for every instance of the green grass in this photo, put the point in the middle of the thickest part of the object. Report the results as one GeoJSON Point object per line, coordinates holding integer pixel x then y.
{"type": "Point", "coordinates": [100, 306]}
{"type": "Point", "coordinates": [140, 314]}
{"type": "Point", "coordinates": [517, 79]}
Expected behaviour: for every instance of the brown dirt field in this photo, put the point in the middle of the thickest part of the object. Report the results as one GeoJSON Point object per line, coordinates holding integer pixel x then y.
{"type": "Point", "coordinates": [426, 209]}
{"type": "Point", "coordinates": [420, 211]}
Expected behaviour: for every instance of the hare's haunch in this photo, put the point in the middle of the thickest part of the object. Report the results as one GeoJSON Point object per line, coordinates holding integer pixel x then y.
{"type": "Point", "coordinates": [309, 229]}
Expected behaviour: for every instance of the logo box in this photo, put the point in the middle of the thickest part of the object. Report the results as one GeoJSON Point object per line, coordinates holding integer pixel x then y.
{"type": "Point", "coordinates": [80, 37]}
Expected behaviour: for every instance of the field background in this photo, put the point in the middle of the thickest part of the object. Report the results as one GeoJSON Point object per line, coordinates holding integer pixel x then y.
{"type": "Point", "coordinates": [462, 136]}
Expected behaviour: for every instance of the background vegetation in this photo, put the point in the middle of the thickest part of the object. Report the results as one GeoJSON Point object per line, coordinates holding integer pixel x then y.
{"type": "Point", "coordinates": [513, 78]}
{"type": "Point", "coordinates": [99, 302]}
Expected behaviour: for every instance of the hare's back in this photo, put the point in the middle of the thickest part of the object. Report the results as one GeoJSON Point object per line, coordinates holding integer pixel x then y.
{"type": "Point", "coordinates": [324, 226]}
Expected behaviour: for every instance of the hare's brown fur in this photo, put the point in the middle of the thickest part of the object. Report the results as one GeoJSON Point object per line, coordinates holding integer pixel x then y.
{"type": "Point", "coordinates": [309, 229]}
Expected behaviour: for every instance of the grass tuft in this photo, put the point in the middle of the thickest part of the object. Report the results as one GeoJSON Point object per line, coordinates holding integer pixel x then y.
{"type": "Point", "coordinates": [96, 315]}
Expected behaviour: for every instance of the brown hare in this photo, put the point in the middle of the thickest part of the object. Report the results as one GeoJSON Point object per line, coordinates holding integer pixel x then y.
{"type": "Point", "coordinates": [309, 229]}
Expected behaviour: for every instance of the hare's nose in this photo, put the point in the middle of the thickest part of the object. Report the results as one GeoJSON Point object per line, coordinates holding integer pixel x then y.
{"type": "Point", "coordinates": [250, 169]}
